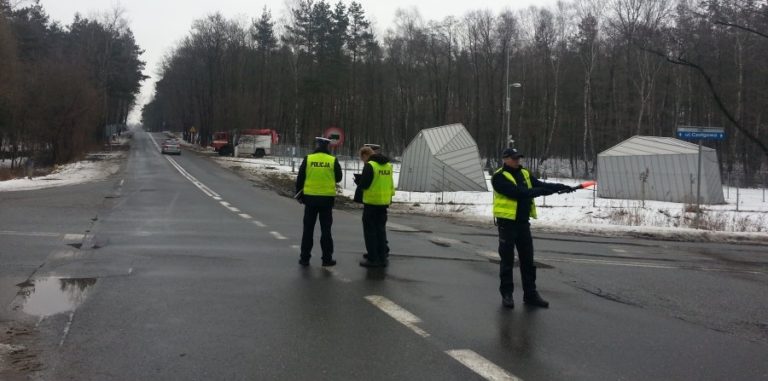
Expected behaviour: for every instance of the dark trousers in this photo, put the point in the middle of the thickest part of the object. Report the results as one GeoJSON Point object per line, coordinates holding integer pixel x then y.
{"type": "Point", "coordinates": [511, 235]}
{"type": "Point", "coordinates": [326, 240]}
{"type": "Point", "coordinates": [375, 232]}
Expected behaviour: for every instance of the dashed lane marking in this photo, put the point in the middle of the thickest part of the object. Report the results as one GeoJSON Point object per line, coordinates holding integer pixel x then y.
{"type": "Point", "coordinates": [224, 203]}
{"type": "Point", "coordinates": [278, 235]}
{"type": "Point", "coordinates": [74, 237]}
{"type": "Point", "coordinates": [208, 191]}
{"type": "Point", "coordinates": [245, 216]}
{"type": "Point", "coordinates": [398, 313]}
{"type": "Point", "coordinates": [482, 366]}
{"type": "Point", "coordinates": [618, 250]}
{"type": "Point", "coordinates": [233, 209]}
{"type": "Point", "coordinates": [259, 224]}
{"type": "Point", "coordinates": [29, 234]}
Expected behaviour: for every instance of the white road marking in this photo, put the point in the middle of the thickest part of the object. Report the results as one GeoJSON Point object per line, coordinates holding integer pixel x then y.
{"type": "Point", "coordinates": [398, 313]}
{"type": "Point", "coordinates": [208, 191]}
{"type": "Point", "coordinates": [337, 274]}
{"type": "Point", "coordinates": [481, 365]}
{"type": "Point", "coordinates": [277, 235]}
{"type": "Point", "coordinates": [66, 328]}
{"type": "Point", "coordinates": [217, 198]}
{"type": "Point", "coordinates": [296, 247]}
{"type": "Point", "coordinates": [259, 224]}
{"type": "Point", "coordinates": [122, 182]}
{"type": "Point", "coordinates": [245, 216]}
{"type": "Point", "coordinates": [224, 203]}
{"type": "Point", "coordinates": [130, 271]}
{"type": "Point", "coordinates": [29, 234]}
{"type": "Point", "coordinates": [74, 237]}
{"type": "Point", "coordinates": [233, 209]}
{"type": "Point", "coordinates": [619, 251]}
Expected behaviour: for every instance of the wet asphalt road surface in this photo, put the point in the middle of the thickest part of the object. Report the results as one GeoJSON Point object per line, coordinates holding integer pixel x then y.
{"type": "Point", "coordinates": [181, 270]}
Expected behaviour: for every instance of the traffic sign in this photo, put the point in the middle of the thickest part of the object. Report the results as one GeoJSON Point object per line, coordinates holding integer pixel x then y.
{"type": "Point", "coordinates": [336, 135]}
{"type": "Point", "coordinates": [701, 133]}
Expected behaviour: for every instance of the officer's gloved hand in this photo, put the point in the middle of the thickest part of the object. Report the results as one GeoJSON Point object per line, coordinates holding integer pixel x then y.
{"type": "Point", "coordinates": [567, 189]}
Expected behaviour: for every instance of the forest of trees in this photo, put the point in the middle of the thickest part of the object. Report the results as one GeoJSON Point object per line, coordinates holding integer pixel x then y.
{"type": "Point", "coordinates": [61, 85]}
{"type": "Point", "coordinates": [593, 72]}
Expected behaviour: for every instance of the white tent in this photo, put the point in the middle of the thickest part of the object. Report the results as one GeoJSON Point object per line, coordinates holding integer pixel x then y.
{"type": "Point", "coordinates": [669, 165]}
{"type": "Point", "coordinates": [442, 159]}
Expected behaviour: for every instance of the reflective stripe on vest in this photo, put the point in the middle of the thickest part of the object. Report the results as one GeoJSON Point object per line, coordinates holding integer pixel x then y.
{"type": "Point", "coordinates": [505, 207]}
{"type": "Point", "coordinates": [320, 175]}
{"type": "Point", "coordinates": [383, 186]}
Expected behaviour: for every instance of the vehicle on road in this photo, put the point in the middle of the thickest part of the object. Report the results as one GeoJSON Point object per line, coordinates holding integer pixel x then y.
{"type": "Point", "coordinates": [255, 143]}
{"type": "Point", "coordinates": [171, 146]}
{"type": "Point", "coordinates": [221, 143]}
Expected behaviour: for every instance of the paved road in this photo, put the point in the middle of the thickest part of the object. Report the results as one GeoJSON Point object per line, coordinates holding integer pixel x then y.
{"type": "Point", "coordinates": [186, 271]}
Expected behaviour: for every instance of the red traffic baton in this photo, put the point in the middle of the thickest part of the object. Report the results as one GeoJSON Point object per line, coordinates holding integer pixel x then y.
{"type": "Point", "coordinates": [583, 185]}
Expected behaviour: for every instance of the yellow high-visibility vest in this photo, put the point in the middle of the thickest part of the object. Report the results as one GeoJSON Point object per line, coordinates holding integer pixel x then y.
{"type": "Point", "coordinates": [505, 207]}
{"type": "Point", "coordinates": [383, 186]}
{"type": "Point", "coordinates": [320, 175]}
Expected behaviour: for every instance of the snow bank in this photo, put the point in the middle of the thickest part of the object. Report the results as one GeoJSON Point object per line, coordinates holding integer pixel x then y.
{"type": "Point", "coordinates": [580, 212]}
{"type": "Point", "coordinates": [98, 167]}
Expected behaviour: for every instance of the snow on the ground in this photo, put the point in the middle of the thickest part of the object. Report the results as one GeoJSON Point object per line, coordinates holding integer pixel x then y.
{"type": "Point", "coordinates": [578, 212]}
{"type": "Point", "coordinates": [6, 163]}
{"type": "Point", "coordinates": [98, 167]}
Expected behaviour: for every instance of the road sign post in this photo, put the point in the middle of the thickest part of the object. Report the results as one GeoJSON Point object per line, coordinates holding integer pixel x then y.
{"type": "Point", "coordinates": [700, 134]}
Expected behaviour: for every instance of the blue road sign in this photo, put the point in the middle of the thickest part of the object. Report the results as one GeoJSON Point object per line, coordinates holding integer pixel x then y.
{"type": "Point", "coordinates": [701, 133]}
{"type": "Point", "coordinates": [696, 135]}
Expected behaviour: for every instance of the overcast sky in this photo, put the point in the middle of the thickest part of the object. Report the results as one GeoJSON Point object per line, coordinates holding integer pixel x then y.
{"type": "Point", "coordinates": [159, 24]}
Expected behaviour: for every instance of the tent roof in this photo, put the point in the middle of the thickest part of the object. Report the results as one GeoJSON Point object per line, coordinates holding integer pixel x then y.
{"type": "Point", "coordinates": [653, 145]}
{"type": "Point", "coordinates": [454, 135]}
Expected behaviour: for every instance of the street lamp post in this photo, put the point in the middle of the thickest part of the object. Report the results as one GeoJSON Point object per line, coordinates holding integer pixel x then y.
{"type": "Point", "coordinates": [508, 109]}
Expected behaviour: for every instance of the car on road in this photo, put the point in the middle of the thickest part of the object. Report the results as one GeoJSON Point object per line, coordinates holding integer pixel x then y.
{"type": "Point", "coordinates": [171, 146]}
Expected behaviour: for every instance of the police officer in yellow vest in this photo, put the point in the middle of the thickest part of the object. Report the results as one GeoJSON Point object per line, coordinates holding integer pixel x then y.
{"type": "Point", "coordinates": [514, 189]}
{"type": "Point", "coordinates": [316, 182]}
{"type": "Point", "coordinates": [378, 187]}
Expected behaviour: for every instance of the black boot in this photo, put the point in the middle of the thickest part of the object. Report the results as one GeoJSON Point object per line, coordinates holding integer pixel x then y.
{"type": "Point", "coordinates": [304, 261]}
{"type": "Point", "coordinates": [507, 301]}
{"type": "Point", "coordinates": [534, 299]}
{"type": "Point", "coordinates": [329, 262]}
{"type": "Point", "coordinates": [369, 263]}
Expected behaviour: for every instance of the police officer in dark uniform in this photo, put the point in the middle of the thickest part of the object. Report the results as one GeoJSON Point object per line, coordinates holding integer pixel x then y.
{"type": "Point", "coordinates": [378, 187]}
{"type": "Point", "coordinates": [514, 189]}
{"type": "Point", "coordinates": [316, 189]}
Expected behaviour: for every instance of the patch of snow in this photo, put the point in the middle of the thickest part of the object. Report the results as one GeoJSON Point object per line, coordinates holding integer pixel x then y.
{"type": "Point", "coordinates": [103, 165]}
{"type": "Point", "coordinates": [579, 212]}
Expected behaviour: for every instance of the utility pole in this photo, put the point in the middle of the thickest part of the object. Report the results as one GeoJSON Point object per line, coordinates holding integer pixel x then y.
{"type": "Point", "coordinates": [508, 109]}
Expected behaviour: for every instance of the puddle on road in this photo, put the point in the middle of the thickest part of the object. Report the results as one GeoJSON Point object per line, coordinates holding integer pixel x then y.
{"type": "Point", "coordinates": [52, 295]}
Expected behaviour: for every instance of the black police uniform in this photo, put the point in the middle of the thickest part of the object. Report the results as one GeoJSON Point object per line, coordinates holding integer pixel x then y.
{"type": "Point", "coordinates": [315, 206]}
{"type": "Point", "coordinates": [517, 233]}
